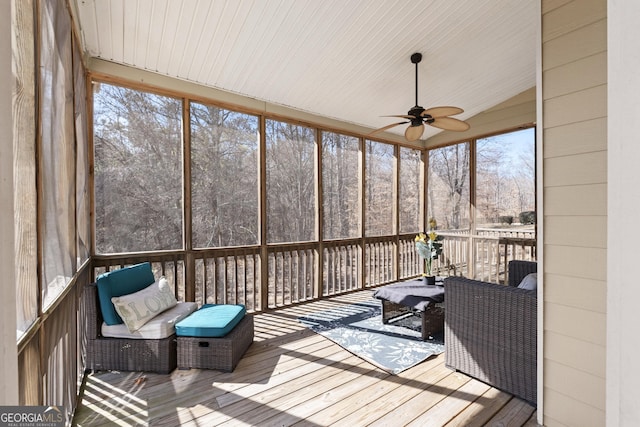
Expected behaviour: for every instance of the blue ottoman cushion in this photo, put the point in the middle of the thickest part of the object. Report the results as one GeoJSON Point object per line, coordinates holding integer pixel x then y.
{"type": "Point", "coordinates": [121, 282]}
{"type": "Point", "coordinates": [211, 321]}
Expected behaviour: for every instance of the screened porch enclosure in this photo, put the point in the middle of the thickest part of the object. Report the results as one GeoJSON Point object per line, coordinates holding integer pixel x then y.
{"type": "Point", "coordinates": [244, 208]}
{"type": "Point", "coordinates": [230, 204]}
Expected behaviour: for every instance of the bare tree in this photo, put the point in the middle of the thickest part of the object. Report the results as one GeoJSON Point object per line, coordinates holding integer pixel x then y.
{"type": "Point", "coordinates": [224, 177]}
{"type": "Point", "coordinates": [379, 189]}
{"type": "Point", "coordinates": [340, 185]}
{"type": "Point", "coordinates": [490, 179]}
{"type": "Point", "coordinates": [290, 182]}
{"type": "Point", "coordinates": [450, 165]}
{"type": "Point", "coordinates": [138, 170]}
{"type": "Point", "coordinates": [410, 189]}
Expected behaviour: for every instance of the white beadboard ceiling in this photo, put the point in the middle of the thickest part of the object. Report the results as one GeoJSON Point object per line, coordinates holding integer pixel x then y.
{"type": "Point", "coordinates": [342, 59]}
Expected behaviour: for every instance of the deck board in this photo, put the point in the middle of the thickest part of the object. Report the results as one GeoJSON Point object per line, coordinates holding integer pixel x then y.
{"type": "Point", "coordinates": [293, 376]}
{"type": "Point", "coordinates": [480, 411]}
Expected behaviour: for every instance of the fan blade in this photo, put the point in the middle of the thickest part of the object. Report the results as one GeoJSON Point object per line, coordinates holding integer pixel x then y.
{"type": "Point", "coordinates": [449, 123]}
{"type": "Point", "coordinates": [387, 127]}
{"type": "Point", "coordinates": [436, 112]}
{"type": "Point", "coordinates": [404, 116]}
{"type": "Point", "coordinates": [414, 132]}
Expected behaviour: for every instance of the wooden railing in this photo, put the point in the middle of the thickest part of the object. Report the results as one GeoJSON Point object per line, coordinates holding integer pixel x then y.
{"type": "Point", "coordinates": [296, 272]}
{"type": "Point", "coordinates": [228, 276]}
{"type": "Point", "coordinates": [342, 266]}
{"type": "Point", "coordinates": [506, 232]}
{"type": "Point", "coordinates": [379, 261]}
{"type": "Point", "coordinates": [291, 273]}
{"type": "Point", "coordinates": [409, 262]}
{"type": "Point", "coordinates": [490, 255]}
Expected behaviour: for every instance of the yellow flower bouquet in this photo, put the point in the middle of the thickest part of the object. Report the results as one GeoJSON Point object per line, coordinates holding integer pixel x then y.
{"type": "Point", "coordinates": [429, 246]}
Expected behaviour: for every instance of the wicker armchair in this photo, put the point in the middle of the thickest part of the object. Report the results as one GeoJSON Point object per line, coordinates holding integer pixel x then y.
{"type": "Point", "coordinates": [121, 354]}
{"type": "Point", "coordinates": [491, 331]}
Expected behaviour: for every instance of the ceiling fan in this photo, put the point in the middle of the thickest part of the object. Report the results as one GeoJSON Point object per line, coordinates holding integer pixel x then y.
{"type": "Point", "coordinates": [435, 116]}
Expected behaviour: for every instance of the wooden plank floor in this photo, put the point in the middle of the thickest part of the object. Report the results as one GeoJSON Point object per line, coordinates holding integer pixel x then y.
{"type": "Point", "coordinates": [292, 376]}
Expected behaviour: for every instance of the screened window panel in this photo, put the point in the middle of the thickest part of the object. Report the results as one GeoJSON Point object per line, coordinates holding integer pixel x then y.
{"type": "Point", "coordinates": [138, 170]}
{"type": "Point", "coordinates": [82, 161]}
{"type": "Point", "coordinates": [340, 186]}
{"type": "Point", "coordinates": [505, 178]}
{"type": "Point", "coordinates": [224, 177]}
{"type": "Point", "coordinates": [379, 192]}
{"type": "Point", "coordinates": [411, 190]}
{"type": "Point", "coordinates": [290, 168]}
{"type": "Point", "coordinates": [449, 186]}
{"type": "Point", "coordinates": [57, 152]}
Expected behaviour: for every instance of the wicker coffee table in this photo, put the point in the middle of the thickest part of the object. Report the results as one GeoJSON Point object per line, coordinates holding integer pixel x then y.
{"type": "Point", "coordinates": [413, 297]}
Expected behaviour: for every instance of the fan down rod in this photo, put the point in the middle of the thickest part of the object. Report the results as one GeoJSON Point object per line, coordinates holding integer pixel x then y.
{"type": "Point", "coordinates": [416, 58]}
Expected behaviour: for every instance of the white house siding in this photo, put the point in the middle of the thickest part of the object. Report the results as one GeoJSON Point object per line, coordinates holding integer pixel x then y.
{"type": "Point", "coordinates": [574, 92]}
{"type": "Point", "coordinates": [623, 291]}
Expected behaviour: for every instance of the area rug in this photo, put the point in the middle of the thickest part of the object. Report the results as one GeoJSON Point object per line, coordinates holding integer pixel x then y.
{"type": "Point", "coordinates": [358, 328]}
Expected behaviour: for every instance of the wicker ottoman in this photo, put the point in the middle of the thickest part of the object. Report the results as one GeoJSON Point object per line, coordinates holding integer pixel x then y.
{"type": "Point", "coordinates": [222, 353]}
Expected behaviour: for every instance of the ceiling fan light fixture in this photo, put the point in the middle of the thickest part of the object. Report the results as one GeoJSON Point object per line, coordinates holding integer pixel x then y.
{"type": "Point", "coordinates": [436, 116]}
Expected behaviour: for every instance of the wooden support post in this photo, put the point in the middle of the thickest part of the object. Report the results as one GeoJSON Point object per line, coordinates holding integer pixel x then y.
{"type": "Point", "coordinates": [9, 394]}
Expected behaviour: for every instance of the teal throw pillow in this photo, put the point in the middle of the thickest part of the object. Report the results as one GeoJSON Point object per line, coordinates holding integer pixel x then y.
{"type": "Point", "coordinates": [121, 282]}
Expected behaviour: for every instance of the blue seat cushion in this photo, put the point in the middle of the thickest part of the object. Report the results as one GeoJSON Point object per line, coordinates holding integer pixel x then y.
{"type": "Point", "coordinates": [211, 321]}
{"type": "Point", "coordinates": [121, 282]}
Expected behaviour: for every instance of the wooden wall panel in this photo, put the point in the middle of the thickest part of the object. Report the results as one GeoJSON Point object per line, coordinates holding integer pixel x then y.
{"type": "Point", "coordinates": [576, 231]}
{"type": "Point", "coordinates": [588, 294]}
{"type": "Point", "coordinates": [574, 138]}
{"type": "Point", "coordinates": [574, 110]}
{"type": "Point", "coordinates": [576, 200]}
{"type": "Point", "coordinates": [583, 42]}
{"type": "Point", "coordinates": [580, 169]}
{"type": "Point", "coordinates": [588, 104]}
{"type": "Point", "coordinates": [559, 408]}
{"type": "Point", "coordinates": [583, 387]}
{"type": "Point", "coordinates": [583, 325]}
{"type": "Point", "coordinates": [550, 5]}
{"type": "Point", "coordinates": [572, 353]}
{"type": "Point", "coordinates": [586, 72]}
{"type": "Point", "coordinates": [584, 262]}
{"type": "Point", "coordinates": [573, 16]}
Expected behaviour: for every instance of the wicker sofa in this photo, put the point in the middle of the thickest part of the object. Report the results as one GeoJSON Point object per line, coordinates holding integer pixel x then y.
{"type": "Point", "coordinates": [491, 331]}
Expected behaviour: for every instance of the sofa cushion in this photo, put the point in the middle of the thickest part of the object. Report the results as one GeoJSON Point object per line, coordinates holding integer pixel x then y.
{"type": "Point", "coordinates": [138, 308]}
{"type": "Point", "coordinates": [121, 282]}
{"type": "Point", "coordinates": [161, 326]}
{"type": "Point", "coordinates": [212, 321]}
{"type": "Point", "coordinates": [529, 282]}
